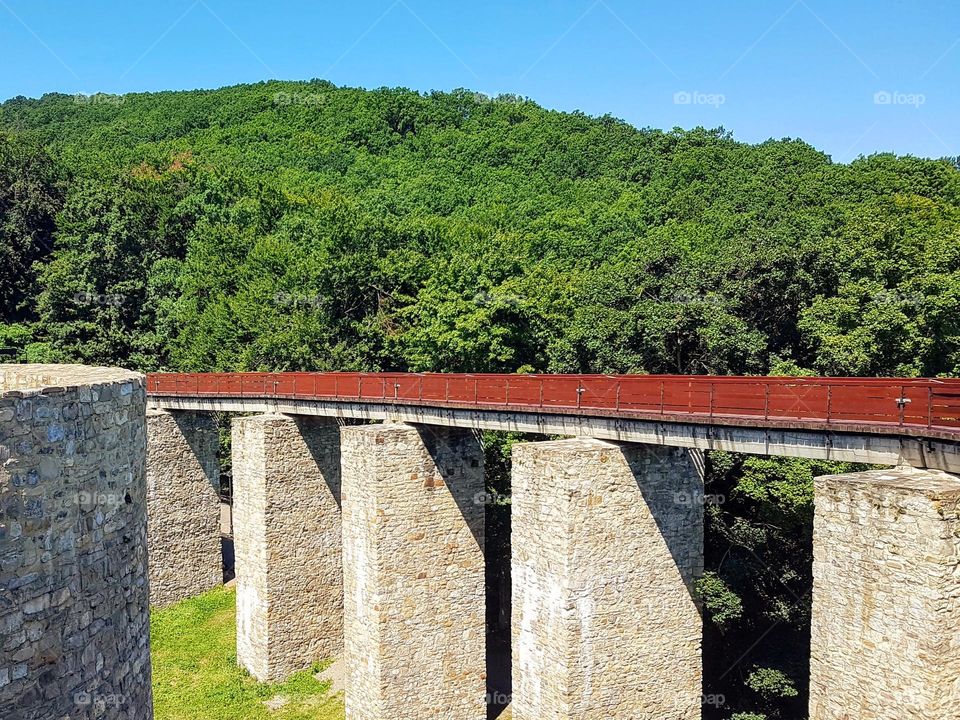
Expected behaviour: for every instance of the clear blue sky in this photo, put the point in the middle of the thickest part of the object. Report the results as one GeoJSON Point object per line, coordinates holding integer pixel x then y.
{"type": "Point", "coordinates": [848, 76]}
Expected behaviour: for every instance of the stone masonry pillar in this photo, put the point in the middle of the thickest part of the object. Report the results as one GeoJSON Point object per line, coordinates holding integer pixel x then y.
{"type": "Point", "coordinates": [74, 601]}
{"type": "Point", "coordinates": [413, 523]}
{"type": "Point", "coordinates": [183, 505]}
{"type": "Point", "coordinates": [607, 543]}
{"type": "Point", "coordinates": [885, 639]}
{"type": "Point", "coordinates": [286, 501]}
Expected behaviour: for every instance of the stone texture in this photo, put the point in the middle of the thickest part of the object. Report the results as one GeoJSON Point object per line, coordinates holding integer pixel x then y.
{"type": "Point", "coordinates": [183, 505]}
{"type": "Point", "coordinates": [74, 612]}
{"type": "Point", "coordinates": [607, 543]}
{"type": "Point", "coordinates": [413, 523]}
{"type": "Point", "coordinates": [886, 597]}
{"type": "Point", "coordinates": [286, 484]}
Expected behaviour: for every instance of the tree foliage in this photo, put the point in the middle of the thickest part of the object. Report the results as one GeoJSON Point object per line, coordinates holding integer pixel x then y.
{"type": "Point", "coordinates": [302, 226]}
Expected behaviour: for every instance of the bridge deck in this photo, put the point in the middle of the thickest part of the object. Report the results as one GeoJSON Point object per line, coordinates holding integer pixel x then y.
{"type": "Point", "coordinates": [916, 407]}
{"type": "Point", "coordinates": [871, 420]}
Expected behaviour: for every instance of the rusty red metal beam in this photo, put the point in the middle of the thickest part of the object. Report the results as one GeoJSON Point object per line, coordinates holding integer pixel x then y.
{"type": "Point", "coordinates": [880, 405]}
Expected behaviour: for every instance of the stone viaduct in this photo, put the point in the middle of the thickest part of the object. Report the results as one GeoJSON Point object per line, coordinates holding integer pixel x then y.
{"type": "Point", "coordinates": [366, 540]}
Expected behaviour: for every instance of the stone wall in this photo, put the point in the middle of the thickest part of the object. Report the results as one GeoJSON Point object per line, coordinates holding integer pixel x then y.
{"type": "Point", "coordinates": [183, 505]}
{"type": "Point", "coordinates": [413, 523]}
{"type": "Point", "coordinates": [74, 615]}
{"type": "Point", "coordinates": [286, 478]}
{"type": "Point", "coordinates": [886, 597]}
{"type": "Point", "coordinates": [607, 544]}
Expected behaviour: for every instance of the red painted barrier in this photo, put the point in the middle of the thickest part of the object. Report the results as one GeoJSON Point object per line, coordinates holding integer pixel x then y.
{"type": "Point", "coordinates": [921, 406]}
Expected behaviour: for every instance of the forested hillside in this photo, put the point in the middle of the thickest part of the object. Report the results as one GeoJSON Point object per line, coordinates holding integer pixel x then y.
{"type": "Point", "coordinates": [301, 226]}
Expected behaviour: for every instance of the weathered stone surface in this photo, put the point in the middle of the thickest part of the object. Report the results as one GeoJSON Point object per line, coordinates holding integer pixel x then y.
{"type": "Point", "coordinates": [286, 478]}
{"type": "Point", "coordinates": [413, 523]}
{"type": "Point", "coordinates": [74, 613]}
{"type": "Point", "coordinates": [607, 543]}
{"type": "Point", "coordinates": [886, 597]}
{"type": "Point", "coordinates": [183, 505]}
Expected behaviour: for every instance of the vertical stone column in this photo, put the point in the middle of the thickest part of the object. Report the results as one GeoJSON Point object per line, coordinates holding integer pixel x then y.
{"type": "Point", "coordinates": [413, 521]}
{"type": "Point", "coordinates": [286, 501]}
{"type": "Point", "coordinates": [74, 607]}
{"type": "Point", "coordinates": [183, 505]}
{"type": "Point", "coordinates": [885, 639]}
{"type": "Point", "coordinates": [607, 543]}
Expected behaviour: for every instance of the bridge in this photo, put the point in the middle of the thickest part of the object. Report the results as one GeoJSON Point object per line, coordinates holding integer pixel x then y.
{"type": "Point", "coordinates": [366, 540]}
{"type": "Point", "coordinates": [883, 421]}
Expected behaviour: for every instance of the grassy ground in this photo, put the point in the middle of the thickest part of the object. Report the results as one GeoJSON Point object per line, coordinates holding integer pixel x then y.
{"type": "Point", "coordinates": [195, 673]}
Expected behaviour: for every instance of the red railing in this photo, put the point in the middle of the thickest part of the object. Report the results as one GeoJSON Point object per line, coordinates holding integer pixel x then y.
{"type": "Point", "coordinates": [870, 404]}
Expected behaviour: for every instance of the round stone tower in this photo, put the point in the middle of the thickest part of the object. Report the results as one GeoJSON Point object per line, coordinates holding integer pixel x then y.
{"type": "Point", "coordinates": [74, 613]}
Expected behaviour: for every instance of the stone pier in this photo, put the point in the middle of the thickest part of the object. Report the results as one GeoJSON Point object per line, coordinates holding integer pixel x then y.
{"type": "Point", "coordinates": [886, 597]}
{"type": "Point", "coordinates": [183, 505]}
{"type": "Point", "coordinates": [74, 606]}
{"type": "Point", "coordinates": [286, 485]}
{"type": "Point", "coordinates": [413, 521]}
{"type": "Point", "coordinates": [607, 543]}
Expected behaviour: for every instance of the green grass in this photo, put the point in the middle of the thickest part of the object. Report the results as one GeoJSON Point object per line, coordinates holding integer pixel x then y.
{"type": "Point", "coordinates": [195, 673]}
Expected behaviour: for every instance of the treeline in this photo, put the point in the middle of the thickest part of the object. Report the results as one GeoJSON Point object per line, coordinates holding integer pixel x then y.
{"type": "Point", "coordinates": [301, 226]}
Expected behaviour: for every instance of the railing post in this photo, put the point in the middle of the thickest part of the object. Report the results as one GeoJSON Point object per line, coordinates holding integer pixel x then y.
{"type": "Point", "coordinates": [618, 395]}
{"type": "Point", "coordinates": [829, 403]}
{"type": "Point", "coordinates": [929, 406]}
{"type": "Point", "coordinates": [541, 391]}
{"type": "Point", "coordinates": [661, 397]}
{"type": "Point", "coordinates": [712, 390]}
{"type": "Point", "coordinates": [766, 400]}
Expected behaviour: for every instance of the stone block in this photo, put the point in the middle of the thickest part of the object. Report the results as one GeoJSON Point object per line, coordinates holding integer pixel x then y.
{"type": "Point", "coordinates": [414, 613]}
{"type": "Point", "coordinates": [287, 543]}
{"type": "Point", "coordinates": [183, 505]}
{"type": "Point", "coordinates": [885, 636]}
{"type": "Point", "coordinates": [73, 545]}
{"type": "Point", "coordinates": [607, 545]}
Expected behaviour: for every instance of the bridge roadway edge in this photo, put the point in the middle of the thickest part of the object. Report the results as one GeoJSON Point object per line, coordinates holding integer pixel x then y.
{"type": "Point", "coordinates": [819, 444]}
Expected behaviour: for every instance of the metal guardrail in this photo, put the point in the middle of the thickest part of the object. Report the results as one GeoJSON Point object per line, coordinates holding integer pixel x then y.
{"type": "Point", "coordinates": [868, 404]}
